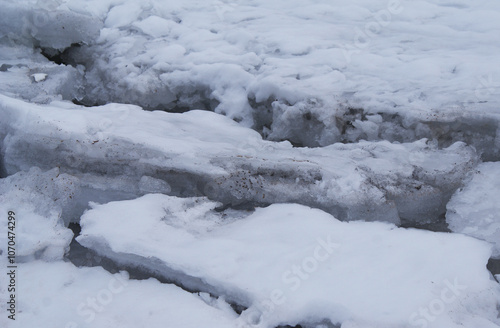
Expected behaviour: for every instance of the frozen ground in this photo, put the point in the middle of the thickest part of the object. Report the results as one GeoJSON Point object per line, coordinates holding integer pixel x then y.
{"type": "Point", "coordinates": [211, 153]}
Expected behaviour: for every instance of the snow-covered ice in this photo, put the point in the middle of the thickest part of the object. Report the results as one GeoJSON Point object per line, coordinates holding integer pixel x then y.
{"type": "Point", "coordinates": [314, 73]}
{"type": "Point", "coordinates": [26, 74]}
{"type": "Point", "coordinates": [62, 295]}
{"type": "Point", "coordinates": [291, 264]}
{"type": "Point", "coordinates": [177, 133]}
{"type": "Point", "coordinates": [44, 24]}
{"type": "Point", "coordinates": [475, 209]}
{"type": "Point", "coordinates": [38, 198]}
{"type": "Point", "coordinates": [202, 153]}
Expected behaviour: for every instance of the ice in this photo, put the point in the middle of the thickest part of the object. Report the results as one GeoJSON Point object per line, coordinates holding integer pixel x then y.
{"type": "Point", "coordinates": [290, 264]}
{"type": "Point", "coordinates": [67, 296]}
{"type": "Point", "coordinates": [202, 153]}
{"type": "Point", "coordinates": [426, 68]}
{"type": "Point", "coordinates": [28, 75]}
{"type": "Point", "coordinates": [39, 77]}
{"type": "Point", "coordinates": [474, 210]}
{"type": "Point", "coordinates": [40, 23]}
{"type": "Point", "coordinates": [37, 198]}
{"type": "Point", "coordinates": [191, 122]}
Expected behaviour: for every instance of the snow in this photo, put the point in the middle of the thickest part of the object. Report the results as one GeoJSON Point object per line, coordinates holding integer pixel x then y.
{"type": "Point", "coordinates": [283, 259]}
{"type": "Point", "coordinates": [282, 66]}
{"type": "Point", "coordinates": [262, 152]}
{"type": "Point", "coordinates": [26, 74]}
{"type": "Point", "coordinates": [474, 209]}
{"type": "Point", "coordinates": [29, 22]}
{"type": "Point", "coordinates": [39, 77]}
{"type": "Point", "coordinates": [270, 64]}
{"type": "Point", "coordinates": [67, 296]}
{"type": "Point", "coordinates": [226, 162]}
{"type": "Point", "coordinates": [37, 199]}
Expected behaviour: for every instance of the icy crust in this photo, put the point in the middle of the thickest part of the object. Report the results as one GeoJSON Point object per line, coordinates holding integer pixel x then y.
{"type": "Point", "coordinates": [291, 264]}
{"type": "Point", "coordinates": [474, 210]}
{"type": "Point", "coordinates": [285, 66]}
{"type": "Point", "coordinates": [62, 295]}
{"type": "Point", "coordinates": [37, 199]}
{"type": "Point", "coordinates": [203, 153]}
{"type": "Point", "coordinates": [42, 24]}
{"type": "Point", "coordinates": [26, 74]}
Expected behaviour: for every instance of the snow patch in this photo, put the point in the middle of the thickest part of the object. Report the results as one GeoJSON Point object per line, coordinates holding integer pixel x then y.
{"type": "Point", "coordinates": [303, 264]}
{"type": "Point", "coordinates": [37, 198]}
{"type": "Point", "coordinates": [92, 297]}
{"type": "Point", "coordinates": [474, 210]}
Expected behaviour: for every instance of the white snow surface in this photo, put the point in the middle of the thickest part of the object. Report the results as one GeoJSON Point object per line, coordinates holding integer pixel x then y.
{"type": "Point", "coordinates": [59, 294]}
{"type": "Point", "coordinates": [292, 264]}
{"type": "Point", "coordinates": [474, 210]}
{"type": "Point", "coordinates": [37, 199]}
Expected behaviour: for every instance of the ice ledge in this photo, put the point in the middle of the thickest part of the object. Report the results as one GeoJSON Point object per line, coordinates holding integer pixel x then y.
{"type": "Point", "coordinates": [201, 153]}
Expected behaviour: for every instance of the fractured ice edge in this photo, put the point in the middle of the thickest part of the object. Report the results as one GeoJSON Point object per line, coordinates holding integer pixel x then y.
{"type": "Point", "coordinates": [202, 153]}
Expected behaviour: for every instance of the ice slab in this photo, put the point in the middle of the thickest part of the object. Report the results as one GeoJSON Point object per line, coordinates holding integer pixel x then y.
{"type": "Point", "coordinates": [203, 153]}
{"type": "Point", "coordinates": [37, 200]}
{"type": "Point", "coordinates": [62, 295]}
{"type": "Point", "coordinates": [291, 264]}
{"type": "Point", "coordinates": [474, 210]}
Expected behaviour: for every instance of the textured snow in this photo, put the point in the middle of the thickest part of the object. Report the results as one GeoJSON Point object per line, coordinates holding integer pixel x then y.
{"type": "Point", "coordinates": [202, 153]}
{"type": "Point", "coordinates": [37, 198]}
{"type": "Point", "coordinates": [474, 210]}
{"type": "Point", "coordinates": [67, 296]}
{"type": "Point", "coordinates": [407, 69]}
{"type": "Point", "coordinates": [291, 263]}
{"type": "Point", "coordinates": [192, 158]}
{"type": "Point", "coordinates": [43, 24]}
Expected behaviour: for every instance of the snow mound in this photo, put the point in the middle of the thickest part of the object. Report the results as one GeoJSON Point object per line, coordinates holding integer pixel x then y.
{"type": "Point", "coordinates": [474, 210]}
{"type": "Point", "coordinates": [37, 198]}
{"type": "Point", "coordinates": [201, 153]}
{"type": "Point", "coordinates": [290, 264]}
{"type": "Point", "coordinates": [71, 297]}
